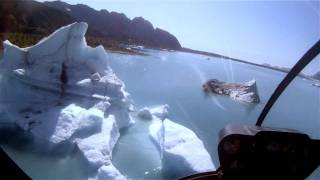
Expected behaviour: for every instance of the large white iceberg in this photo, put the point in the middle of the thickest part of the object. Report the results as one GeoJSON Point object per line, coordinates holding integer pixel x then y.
{"type": "Point", "coordinates": [182, 152]}
{"type": "Point", "coordinates": [65, 96]}
{"type": "Point", "coordinates": [62, 92]}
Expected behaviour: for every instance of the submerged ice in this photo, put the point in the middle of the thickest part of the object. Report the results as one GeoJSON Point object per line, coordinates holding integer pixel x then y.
{"type": "Point", "coordinates": [66, 97]}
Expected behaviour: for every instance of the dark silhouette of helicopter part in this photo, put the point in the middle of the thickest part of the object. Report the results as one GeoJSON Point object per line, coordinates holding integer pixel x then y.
{"type": "Point", "coordinates": [253, 152]}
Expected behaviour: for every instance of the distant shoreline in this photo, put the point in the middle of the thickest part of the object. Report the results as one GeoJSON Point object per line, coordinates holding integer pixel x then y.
{"type": "Point", "coordinates": [241, 61]}
{"type": "Point", "coordinates": [25, 40]}
{"type": "Point", "coordinates": [117, 49]}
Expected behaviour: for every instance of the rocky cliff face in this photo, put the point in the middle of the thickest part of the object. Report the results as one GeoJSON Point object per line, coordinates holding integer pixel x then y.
{"type": "Point", "coordinates": [118, 26]}
{"type": "Point", "coordinates": [162, 38]}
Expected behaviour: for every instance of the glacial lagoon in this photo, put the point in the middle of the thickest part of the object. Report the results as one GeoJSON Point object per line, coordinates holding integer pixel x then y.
{"type": "Point", "coordinates": [175, 78]}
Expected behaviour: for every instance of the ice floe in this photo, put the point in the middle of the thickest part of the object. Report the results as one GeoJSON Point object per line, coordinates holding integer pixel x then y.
{"type": "Point", "coordinates": [97, 148]}
{"type": "Point", "coordinates": [182, 152]}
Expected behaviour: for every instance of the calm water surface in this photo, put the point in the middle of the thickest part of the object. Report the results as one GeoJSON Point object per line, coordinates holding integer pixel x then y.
{"type": "Point", "coordinates": [175, 78]}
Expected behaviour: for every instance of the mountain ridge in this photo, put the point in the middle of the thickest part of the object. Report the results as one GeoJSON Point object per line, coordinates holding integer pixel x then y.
{"type": "Point", "coordinates": [119, 26]}
{"type": "Point", "coordinates": [107, 28]}
{"type": "Point", "coordinates": [30, 17]}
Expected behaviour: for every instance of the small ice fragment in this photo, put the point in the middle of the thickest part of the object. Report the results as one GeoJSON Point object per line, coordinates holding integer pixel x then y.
{"type": "Point", "coordinates": [19, 72]}
{"type": "Point", "coordinates": [145, 113]}
{"type": "Point", "coordinates": [160, 111]}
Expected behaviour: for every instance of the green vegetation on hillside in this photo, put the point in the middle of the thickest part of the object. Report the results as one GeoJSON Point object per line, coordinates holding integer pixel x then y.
{"type": "Point", "coordinates": [25, 40]}
{"type": "Point", "coordinates": [19, 39]}
{"type": "Point", "coordinates": [32, 20]}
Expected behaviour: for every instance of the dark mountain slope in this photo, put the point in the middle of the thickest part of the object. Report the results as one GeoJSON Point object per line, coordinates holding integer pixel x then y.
{"type": "Point", "coordinates": [118, 26]}
{"type": "Point", "coordinates": [28, 16]}
{"type": "Point", "coordinates": [108, 28]}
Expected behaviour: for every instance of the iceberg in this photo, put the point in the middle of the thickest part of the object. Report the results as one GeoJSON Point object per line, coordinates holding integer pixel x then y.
{"type": "Point", "coordinates": [245, 92]}
{"type": "Point", "coordinates": [182, 152]}
{"type": "Point", "coordinates": [63, 93]}
{"type": "Point", "coordinates": [316, 84]}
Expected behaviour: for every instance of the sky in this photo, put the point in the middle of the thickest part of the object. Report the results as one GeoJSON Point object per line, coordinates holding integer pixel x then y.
{"type": "Point", "coordinates": [273, 32]}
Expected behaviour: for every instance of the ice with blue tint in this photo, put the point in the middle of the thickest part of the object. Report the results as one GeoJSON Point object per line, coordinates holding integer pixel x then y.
{"type": "Point", "coordinates": [182, 152]}
{"type": "Point", "coordinates": [65, 98]}
{"type": "Point", "coordinates": [63, 94]}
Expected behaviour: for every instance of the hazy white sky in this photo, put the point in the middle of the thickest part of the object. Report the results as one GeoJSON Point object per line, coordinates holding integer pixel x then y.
{"type": "Point", "coordinates": [274, 32]}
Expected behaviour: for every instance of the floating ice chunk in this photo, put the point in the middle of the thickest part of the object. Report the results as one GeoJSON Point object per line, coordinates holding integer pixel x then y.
{"type": "Point", "coordinates": [61, 90]}
{"type": "Point", "coordinates": [243, 97]}
{"type": "Point", "coordinates": [145, 113]}
{"type": "Point", "coordinates": [76, 119]}
{"type": "Point", "coordinates": [160, 111]}
{"type": "Point", "coordinates": [250, 83]}
{"type": "Point", "coordinates": [65, 50]}
{"type": "Point", "coordinates": [20, 72]}
{"type": "Point", "coordinates": [109, 172]}
{"type": "Point", "coordinates": [243, 92]}
{"type": "Point", "coordinates": [183, 153]}
{"type": "Point", "coordinates": [97, 148]}
{"type": "Point", "coordinates": [59, 66]}
{"type": "Point", "coordinates": [249, 94]}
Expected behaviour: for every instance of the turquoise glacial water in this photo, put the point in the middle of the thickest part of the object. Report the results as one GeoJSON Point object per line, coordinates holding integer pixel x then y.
{"type": "Point", "coordinates": [175, 78]}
